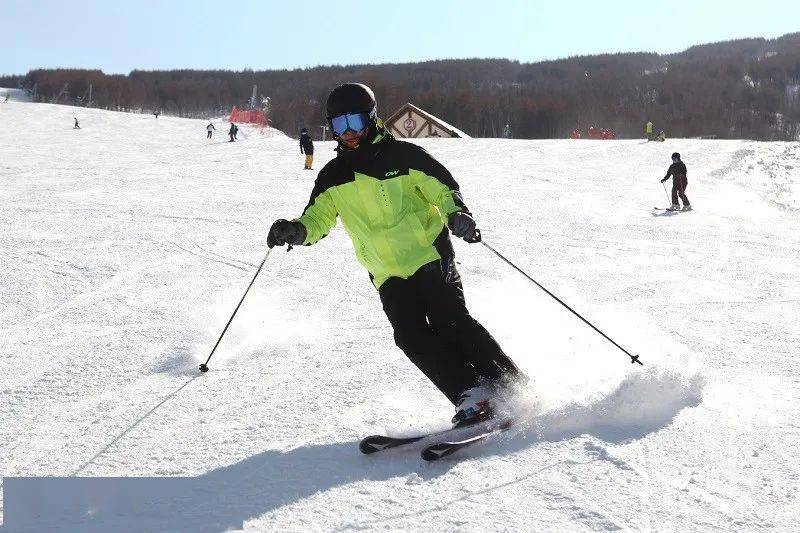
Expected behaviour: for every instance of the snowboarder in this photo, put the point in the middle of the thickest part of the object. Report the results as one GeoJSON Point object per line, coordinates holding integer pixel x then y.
{"type": "Point", "coordinates": [397, 202]}
{"type": "Point", "coordinates": [232, 132]}
{"type": "Point", "coordinates": [648, 129]}
{"type": "Point", "coordinates": [76, 126]}
{"type": "Point", "coordinates": [210, 129]}
{"type": "Point", "coordinates": [307, 147]}
{"type": "Point", "coordinates": [679, 182]}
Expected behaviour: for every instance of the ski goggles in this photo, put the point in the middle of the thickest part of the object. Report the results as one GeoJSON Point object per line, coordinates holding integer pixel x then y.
{"type": "Point", "coordinates": [356, 122]}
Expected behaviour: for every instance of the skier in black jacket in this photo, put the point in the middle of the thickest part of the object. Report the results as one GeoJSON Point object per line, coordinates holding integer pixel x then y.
{"type": "Point", "coordinates": [307, 147]}
{"type": "Point", "coordinates": [679, 181]}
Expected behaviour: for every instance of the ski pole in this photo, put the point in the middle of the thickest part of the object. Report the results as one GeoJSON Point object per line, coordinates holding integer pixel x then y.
{"type": "Point", "coordinates": [669, 200]}
{"type": "Point", "coordinates": [204, 366]}
{"type": "Point", "coordinates": [476, 237]}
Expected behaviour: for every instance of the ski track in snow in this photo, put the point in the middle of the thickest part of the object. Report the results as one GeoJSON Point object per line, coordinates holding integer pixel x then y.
{"type": "Point", "coordinates": [127, 244]}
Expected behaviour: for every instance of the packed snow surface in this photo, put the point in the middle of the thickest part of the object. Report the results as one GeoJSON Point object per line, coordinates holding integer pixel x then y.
{"type": "Point", "coordinates": [127, 244]}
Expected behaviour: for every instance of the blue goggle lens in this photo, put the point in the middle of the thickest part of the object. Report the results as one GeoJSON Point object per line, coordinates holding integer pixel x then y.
{"type": "Point", "coordinates": [357, 122]}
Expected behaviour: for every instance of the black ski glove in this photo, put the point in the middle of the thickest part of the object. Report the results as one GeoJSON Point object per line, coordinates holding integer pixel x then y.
{"type": "Point", "coordinates": [462, 224]}
{"type": "Point", "coordinates": [665, 179]}
{"type": "Point", "coordinates": [286, 232]}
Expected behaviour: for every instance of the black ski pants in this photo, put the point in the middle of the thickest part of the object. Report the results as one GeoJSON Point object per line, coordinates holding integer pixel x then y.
{"type": "Point", "coordinates": [436, 332]}
{"type": "Point", "coordinates": [679, 184]}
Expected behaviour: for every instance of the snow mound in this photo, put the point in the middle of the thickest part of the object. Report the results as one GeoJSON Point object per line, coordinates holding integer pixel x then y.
{"type": "Point", "coordinates": [642, 403]}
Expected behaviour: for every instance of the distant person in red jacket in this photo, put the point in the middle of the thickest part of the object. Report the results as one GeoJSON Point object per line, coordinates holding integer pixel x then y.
{"type": "Point", "coordinates": [576, 134]}
{"type": "Point", "coordinates": [592, 132]}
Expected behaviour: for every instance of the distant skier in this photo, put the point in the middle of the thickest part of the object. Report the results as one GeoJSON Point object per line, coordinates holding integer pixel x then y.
{"type": "Point", "coordinates": [76, 126]}
{"type": "Point", "coordinates": [648, 129]}
{"type": "Point", "coordinates": [307, 147]}
{"type": "Point", "coordinates": [677, 170]}
{"type": "Point", "coordinates": [156, 113]}
{"type": "Point", "coordinates": [210, 129]}
{"type": "Point", "coordinates": [232, 132]}
{"type": "Point", "coordinates": [661, 137]}
{"type": "Point", "coordinates": [396, 202]}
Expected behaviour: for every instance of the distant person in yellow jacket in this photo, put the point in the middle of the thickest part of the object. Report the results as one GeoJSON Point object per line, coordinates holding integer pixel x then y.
{"type": "Point", "coordinates": [648, 129]}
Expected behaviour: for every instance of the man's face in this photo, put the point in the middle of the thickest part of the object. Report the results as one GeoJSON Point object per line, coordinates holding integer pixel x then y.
{"type": "Point", "coordinates": [351, 139]}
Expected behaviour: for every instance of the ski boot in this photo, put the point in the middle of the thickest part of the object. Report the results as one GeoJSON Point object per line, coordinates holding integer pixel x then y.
{"type": "Point", "coordinates": [687, 207]}
{"type": "Point", "coordinates": [475, 404]}
{"type": "Point", "coordinates": [675, 207]}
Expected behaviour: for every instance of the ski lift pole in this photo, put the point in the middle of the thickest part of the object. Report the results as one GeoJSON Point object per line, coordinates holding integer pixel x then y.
{"type": "Point", "coordinates": [476, 237]}
{"type": "Point", "coordinates": [204, 366]}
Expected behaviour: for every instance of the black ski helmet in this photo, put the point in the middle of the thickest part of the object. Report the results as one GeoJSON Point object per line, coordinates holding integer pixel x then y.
{"type": "Point", "coordinates": [351, 98]}
{"type": "Point", "coordinates": [676, 155]}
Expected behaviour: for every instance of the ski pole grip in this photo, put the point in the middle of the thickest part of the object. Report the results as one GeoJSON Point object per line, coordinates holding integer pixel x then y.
{"type": "Point", "coordinates": [475, 237]}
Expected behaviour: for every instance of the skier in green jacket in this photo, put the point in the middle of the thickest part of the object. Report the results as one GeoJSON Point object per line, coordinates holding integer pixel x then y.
{"type": "Point", "coordinates": [396, 203]}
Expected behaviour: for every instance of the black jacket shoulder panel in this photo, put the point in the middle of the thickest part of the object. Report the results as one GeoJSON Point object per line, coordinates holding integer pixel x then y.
{"type": "Point", "coordinates": [418, 158]}
{"type": "Point", "coordinates": [383, 160]}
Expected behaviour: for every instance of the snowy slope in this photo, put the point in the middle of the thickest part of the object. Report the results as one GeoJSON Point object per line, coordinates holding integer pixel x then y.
{"type": "Point", "coordinates": [126, 245]}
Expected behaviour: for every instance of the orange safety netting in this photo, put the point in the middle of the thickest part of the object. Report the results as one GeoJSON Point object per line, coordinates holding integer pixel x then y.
{"type": "Point", "coordinates": [250, 116]}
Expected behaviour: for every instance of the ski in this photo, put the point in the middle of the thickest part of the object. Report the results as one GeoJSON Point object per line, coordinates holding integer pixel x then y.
{"type": "Point", "coordinates": [436, 451]}
{"type": "Point", "coordinates": [667, 209]}
{"type": "Point", "coordinates": [377, 443]}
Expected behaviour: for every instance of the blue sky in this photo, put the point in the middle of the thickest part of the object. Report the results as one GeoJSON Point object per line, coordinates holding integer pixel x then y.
{"type": "Point", "coordinates": [118, 36]}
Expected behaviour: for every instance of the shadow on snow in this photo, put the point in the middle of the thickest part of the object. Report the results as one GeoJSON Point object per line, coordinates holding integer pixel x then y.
{"type": "Point", "coordinates": [226, 497]}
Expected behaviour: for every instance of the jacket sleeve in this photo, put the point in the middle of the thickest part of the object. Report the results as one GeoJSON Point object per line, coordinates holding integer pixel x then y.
{"type": "Point", "coordinates": [670, 171]}
{"type": "Point", "coordinates": [319, 216]}
{"type": "Point", "coordinates": [301, 146]}
{"type": "Point", "coordinates": [435, 183]}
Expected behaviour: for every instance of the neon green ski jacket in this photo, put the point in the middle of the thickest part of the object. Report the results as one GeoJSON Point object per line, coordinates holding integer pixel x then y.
{"type": "Point", "coordinates": [393, 199]}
